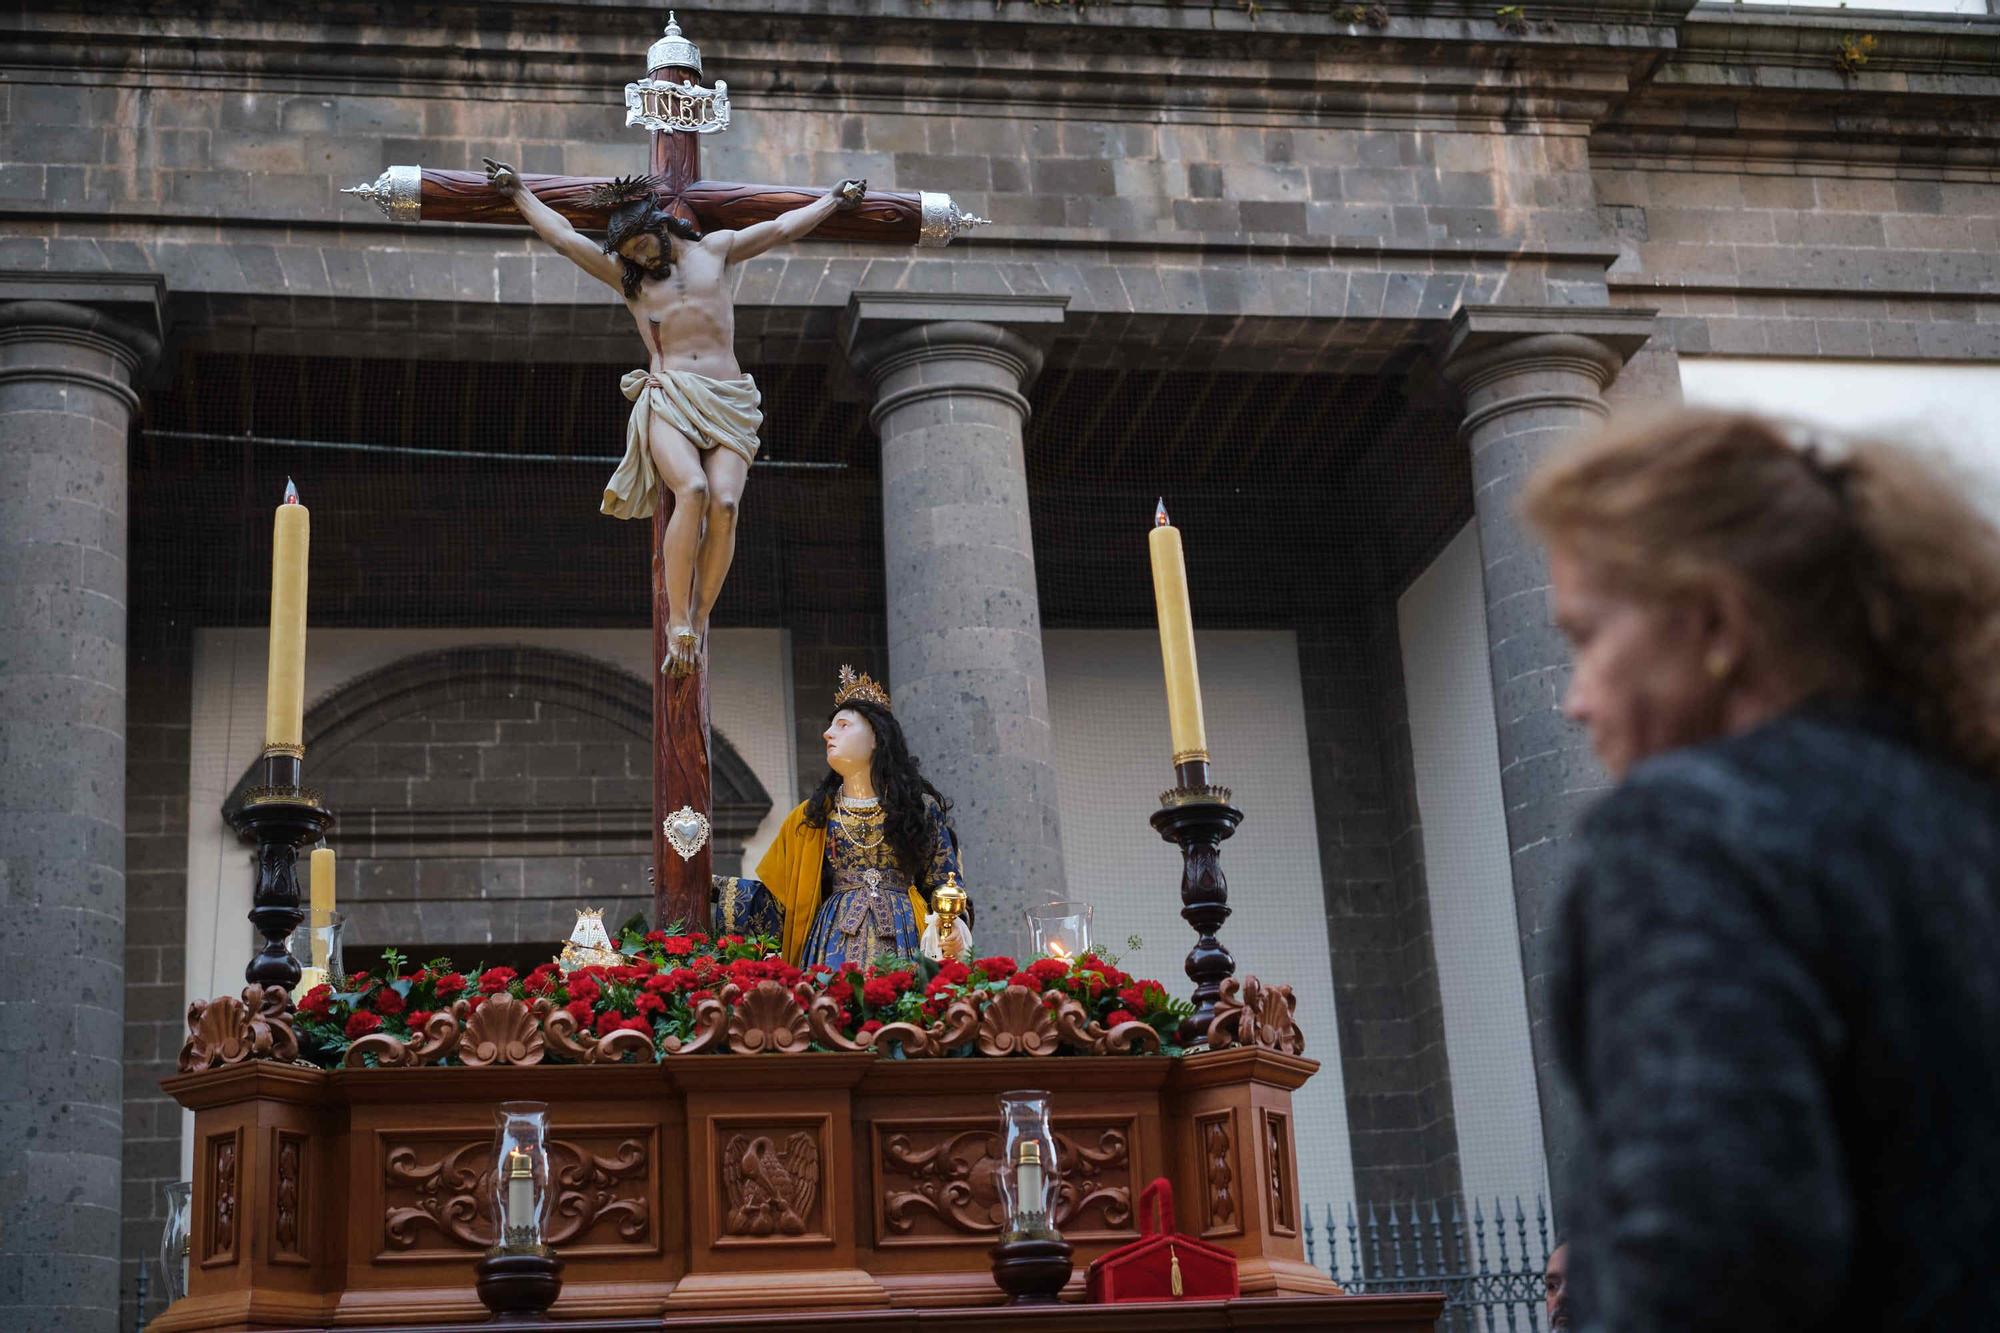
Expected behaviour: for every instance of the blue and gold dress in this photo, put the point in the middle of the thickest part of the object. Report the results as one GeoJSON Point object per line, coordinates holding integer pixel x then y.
{"type": "Point", "coordinates": [837, 895]}
{"type": "Point", "coordinates": [866, 910]}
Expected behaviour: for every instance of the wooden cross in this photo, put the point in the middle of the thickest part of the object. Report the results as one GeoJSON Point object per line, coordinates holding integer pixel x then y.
{"type": "Point", "coordinates": [669, 103]}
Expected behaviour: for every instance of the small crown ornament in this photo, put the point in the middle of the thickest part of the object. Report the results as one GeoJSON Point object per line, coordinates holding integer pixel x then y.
{"type": "Point", "coordinates": [861, 687]}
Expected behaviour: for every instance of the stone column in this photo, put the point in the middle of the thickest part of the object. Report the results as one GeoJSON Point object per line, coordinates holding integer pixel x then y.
{"type": "Point", "coordinates": [965, 629]}
{"type": "Point", "coordinates": [66, 401]}
{"type": "Point", "coordinates": [1532, 378]}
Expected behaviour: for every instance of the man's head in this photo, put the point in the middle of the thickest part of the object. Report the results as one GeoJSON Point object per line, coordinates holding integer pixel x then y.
{"type": "Point", "coordinates": [1555, 1282]}
{"type": "Point", "coordinates": [641, 234]}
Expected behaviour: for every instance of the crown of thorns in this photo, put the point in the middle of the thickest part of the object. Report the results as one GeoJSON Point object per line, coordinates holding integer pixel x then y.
{"type": "Point", "coordinates": [624, 190]}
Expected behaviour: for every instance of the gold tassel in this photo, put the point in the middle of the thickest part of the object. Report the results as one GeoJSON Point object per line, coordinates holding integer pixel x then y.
{"type": "Point", "coordinates": [1174, 1270]}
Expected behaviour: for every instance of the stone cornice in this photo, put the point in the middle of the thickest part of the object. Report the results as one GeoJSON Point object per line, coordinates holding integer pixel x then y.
{"type": "Point", "coordinates": [1450, 64]}
{"type": "Point", "coordinates": [1749, 87]}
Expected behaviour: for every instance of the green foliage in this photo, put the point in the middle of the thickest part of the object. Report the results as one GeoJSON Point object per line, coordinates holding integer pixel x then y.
{"type": "Point", "coordinates": [1853, 52]}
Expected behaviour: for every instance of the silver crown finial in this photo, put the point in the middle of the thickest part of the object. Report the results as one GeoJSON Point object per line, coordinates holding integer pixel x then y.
{"type": "Point", "coordinates": [674, 49]}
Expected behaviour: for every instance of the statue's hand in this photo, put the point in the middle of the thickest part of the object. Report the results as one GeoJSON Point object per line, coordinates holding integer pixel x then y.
{"type": "Point", "coordinates": [849, 193]}
{"type": "Point", "coordinates": [501, 176]}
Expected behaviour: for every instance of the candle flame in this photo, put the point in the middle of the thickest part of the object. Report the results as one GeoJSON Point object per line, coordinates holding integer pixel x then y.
{"type": "Point", "coordinates": [1160, 519]}
{"type": "Point", "coordinates": [1056, 950]}
{"type": "Point", "coordinates": [291, 492]}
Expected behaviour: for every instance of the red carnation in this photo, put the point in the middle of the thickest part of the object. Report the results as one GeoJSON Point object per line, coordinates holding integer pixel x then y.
{"type": "Point", "coordinates": [680, 946]}
{"type": "Point", "coordinates": [417, 1018]}
{"type": "Point", "coordinates": [584, 988]}
{"type": "Point", "coordinates": [541, 980]}
{"type": "Point", "coordinates": [1117, 1016]}
{"type": "Point", "coordinates": [361, 1023]}
{"type": "Point", "coordinates": [872, 1025]}
{"type": "Point", "coordinates": [1131, 997]}
{"type": "Point", "coordinates": [318, 1002]}
{"type": "Point", "coordinates": [580, 1011]}
{"type": "Point", "coordinates": [951, 973]}
{"type": "Point", "coordinates": [609, 1022]}
{"type": "Point", "coordinates": [650, 1003]}
{"type": "Point", "coordinates": [656, 937]}
{"type": "Point", "coordinates": [878, 991]}
{"type": "Point", "coordinates": [1048, 969]}
{"type": "Point", "coordinates": [388, 1002]}
{"type": "Point", "coordinates": [450, 984]}
{"type": "Point", "coordinates": [696, 997]}
{"type": "Point", "coordinates": [496, 979]}
{"type": "Point", "coordinates": [999, 965]}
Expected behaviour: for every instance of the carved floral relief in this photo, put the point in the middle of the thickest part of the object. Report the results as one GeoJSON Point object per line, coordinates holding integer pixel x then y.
{"type": "Point", "coordinates": [437, 1191]}
{"type": "Point", "coordinates": [938, 1182]}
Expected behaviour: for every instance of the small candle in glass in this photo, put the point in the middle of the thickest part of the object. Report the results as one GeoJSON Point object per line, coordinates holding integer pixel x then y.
{"type": "Point", "coordinates": [1060, 930]}
{"type": "Point", "coordinates": [1028, 1176]}
{"type": "Point", "coordinates": [520, 1198]}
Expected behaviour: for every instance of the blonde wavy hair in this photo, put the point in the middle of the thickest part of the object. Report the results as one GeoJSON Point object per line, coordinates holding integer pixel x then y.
{"type": "Point", "coordinates": [1869, 571]}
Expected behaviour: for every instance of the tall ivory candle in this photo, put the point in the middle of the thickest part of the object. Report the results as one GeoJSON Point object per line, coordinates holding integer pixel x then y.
{"type": "Point", "coordinates": [322, 902]}
{"type": "Point", "coordinates": [1170, 596]}
{"type": "Point", "coordinates": [285, 677]}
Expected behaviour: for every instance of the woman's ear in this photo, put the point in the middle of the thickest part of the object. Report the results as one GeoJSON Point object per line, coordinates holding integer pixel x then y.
{"type": "Point", "coordinates": [1728, 634]}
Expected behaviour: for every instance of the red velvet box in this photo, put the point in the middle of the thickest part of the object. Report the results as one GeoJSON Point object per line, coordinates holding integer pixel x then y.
{"type": "Point", "coordinates": [1163, 1265]}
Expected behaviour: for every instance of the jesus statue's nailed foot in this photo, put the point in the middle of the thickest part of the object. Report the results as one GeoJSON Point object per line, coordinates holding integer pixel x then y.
{"type": "Point", "coordinates": [683, 651]}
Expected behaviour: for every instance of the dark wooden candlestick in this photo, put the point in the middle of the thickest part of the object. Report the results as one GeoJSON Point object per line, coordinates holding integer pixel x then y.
{"type": "Point", "coordinates": [519, 1288]}
{"type": "Point", "coordinates": [1032, 1272]}
{"type": "Point", "coordinates": [283, 817]}
{"type": "Point", "coordinates": [1197, 816]}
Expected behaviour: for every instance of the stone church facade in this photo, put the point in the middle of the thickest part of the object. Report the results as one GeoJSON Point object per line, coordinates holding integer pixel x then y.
{"type": "Point", "coordinates": [1357, 267]}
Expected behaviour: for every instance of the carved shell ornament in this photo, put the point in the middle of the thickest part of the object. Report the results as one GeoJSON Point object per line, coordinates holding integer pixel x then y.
{"type": "Point", "coordinates": [501, 1031]}
{"type": "Point", "coordinates": [229, 1031]}
{"type": "Point", "coordinates": [1249, 1013]}
{"type": "Point", "coordinates": [767, 1018]}
{"type": "Point", "coordinates": [1017, 1021]}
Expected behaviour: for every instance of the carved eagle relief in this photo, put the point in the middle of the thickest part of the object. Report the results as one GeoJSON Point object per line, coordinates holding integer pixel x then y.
{"type": "Point", "coordinates": [769, 1191]}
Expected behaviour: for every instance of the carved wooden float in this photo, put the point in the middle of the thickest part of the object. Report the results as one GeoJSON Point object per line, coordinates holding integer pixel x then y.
{"type": "Point", "coordinates": [355, 1197]}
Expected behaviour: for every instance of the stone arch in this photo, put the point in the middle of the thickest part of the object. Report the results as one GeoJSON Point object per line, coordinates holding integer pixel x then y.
{"type": "Point", "coordinates": [483, 793]}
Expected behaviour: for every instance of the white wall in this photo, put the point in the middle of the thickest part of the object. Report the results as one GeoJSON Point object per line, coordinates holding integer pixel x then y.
{"type": "Point", "coordinates": [1107, 699]}
{"type": "Point", "coordinates": [1950, 407]}
{"type": "Point", "coordinates": [1441, 619]}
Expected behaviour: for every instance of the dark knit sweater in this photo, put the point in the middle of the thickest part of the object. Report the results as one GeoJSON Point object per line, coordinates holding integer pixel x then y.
{"type": "Point", "coordinates": [1777, 994]}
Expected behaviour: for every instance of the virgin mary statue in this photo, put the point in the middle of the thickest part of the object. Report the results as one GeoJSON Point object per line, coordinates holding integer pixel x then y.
{"type": "Point", "coordinates": [853, 870]}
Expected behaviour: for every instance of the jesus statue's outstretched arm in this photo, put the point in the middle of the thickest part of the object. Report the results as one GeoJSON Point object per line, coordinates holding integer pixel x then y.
{"type": "Point", "coordinates": [553, 227]}
{"type": "Point", "coordinates": [795, 225]}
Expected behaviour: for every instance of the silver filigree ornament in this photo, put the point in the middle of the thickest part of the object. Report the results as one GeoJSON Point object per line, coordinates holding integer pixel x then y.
{"type": "Point", "coordinates": [398, 192]}
{"type": "Point", "coordinates": [687, 831]}
{"type": "Point", "coordinates": [674, 51]}
{"type": "Point", "coordinates": [944, 221]}
{"type": "Point", "coordinates": [657, 104]}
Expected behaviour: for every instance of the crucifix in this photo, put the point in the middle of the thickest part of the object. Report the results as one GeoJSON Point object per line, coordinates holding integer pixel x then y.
{"type": "Point", "coordinates": [658, 224]}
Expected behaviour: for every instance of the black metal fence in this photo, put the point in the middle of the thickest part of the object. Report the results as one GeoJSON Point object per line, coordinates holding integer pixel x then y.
{"type": "Point", "coordinates": [1489, 1266]}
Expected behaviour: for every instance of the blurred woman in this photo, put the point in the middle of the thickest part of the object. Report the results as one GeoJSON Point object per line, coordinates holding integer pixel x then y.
{"type": "Point", "coordinates": [1777, 963]}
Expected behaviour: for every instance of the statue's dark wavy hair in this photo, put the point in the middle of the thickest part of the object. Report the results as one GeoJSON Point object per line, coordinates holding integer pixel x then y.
{"type": "Point", "coordinates": [901, 784]}
{"type": "Point", "coordinates": [637, 217]}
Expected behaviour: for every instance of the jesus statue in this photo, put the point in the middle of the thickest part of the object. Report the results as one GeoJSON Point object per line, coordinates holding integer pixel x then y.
{"type": "Point", "coordinates": [695, 414]}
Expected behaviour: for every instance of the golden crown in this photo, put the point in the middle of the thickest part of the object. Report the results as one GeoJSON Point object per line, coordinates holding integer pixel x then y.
{"type": "Point", "coordinates": [860, 686]}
